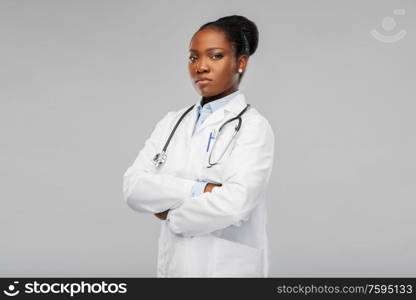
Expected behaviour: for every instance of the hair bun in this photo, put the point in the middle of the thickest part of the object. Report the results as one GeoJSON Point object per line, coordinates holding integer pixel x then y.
{"type": "Point", "coordinates": [247, 27]}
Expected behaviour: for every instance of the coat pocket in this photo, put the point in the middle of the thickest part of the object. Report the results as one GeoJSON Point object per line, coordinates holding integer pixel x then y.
{"type": "Point", "coordinates": [232, 259]}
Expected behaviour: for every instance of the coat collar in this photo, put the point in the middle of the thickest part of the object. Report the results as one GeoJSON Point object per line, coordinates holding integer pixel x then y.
{"type": "Point", "coordinates": [235, 106]}
{"type": "Point", "coordinates": [216, 104]}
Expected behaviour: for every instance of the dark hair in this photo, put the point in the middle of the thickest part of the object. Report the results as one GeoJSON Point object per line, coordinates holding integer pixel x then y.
{"type": "Point", "coordinates": [240, 32]}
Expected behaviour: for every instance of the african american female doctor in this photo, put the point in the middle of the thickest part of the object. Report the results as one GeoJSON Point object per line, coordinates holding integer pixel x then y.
{"type": "Point", "coordinates": [204, 180]}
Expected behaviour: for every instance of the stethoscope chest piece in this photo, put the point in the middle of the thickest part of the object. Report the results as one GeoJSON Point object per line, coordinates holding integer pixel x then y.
{"type": "Point", "coordinates": [160, 158]}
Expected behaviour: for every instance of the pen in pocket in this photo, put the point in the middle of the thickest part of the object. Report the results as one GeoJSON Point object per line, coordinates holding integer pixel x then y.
{"type": "Point", "coordinates": [211, 137]}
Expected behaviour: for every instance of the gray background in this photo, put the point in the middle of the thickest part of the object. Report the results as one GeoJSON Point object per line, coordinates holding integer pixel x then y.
{"type": "Point", "coordinates": [83, 83]}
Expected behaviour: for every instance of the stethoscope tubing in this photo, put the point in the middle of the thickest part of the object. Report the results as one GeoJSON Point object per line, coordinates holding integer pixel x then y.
{"type": "Point", "coordinates": [237, 128]}
{"type": "Point", "coordinates": [161, 157]}
{"type": "Point", "coordinates": [165, 147]}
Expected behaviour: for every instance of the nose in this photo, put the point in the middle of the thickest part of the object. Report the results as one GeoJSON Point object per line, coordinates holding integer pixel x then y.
{"type": "Point", "coordinates": [201, 66]}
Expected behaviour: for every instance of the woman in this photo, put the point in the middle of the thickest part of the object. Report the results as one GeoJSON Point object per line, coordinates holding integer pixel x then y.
{"type": "Point", "coordinates": [209, 191]}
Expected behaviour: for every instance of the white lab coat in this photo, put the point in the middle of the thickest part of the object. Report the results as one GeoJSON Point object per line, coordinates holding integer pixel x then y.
{"type": "Point", "coordinates": [217, 234]}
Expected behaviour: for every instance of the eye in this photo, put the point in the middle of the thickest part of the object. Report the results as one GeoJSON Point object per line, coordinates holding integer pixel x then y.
{"type": "Point", "coordinates": [192, 58]}
{"type": "Point", "coordinates": [217, 56]}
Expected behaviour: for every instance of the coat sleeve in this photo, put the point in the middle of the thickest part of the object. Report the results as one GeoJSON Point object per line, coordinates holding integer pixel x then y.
{"type": "Point", "coordinates": [145, 189]}
{"type": "Point", "coordinates": [247, 173]}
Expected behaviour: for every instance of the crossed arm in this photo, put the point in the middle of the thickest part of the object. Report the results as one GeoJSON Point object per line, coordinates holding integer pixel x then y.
{"type": "Point", "coordinates": [245, 176]}
{"type": "Point", "coordinates": [208, 189]}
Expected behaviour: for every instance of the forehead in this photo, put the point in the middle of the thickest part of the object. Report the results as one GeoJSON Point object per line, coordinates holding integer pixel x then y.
{"type": "Point", "coordinates": [209, 38]}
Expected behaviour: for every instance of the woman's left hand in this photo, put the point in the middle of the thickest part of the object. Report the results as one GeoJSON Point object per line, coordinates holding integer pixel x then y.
{"type": "Point", "coordinates": [208, 188]}
{"type": "Point", "coordinates": [162, 215]}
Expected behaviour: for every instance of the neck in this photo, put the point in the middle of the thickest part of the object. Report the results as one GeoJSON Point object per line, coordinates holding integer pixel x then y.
{"type": "Point", "coordinates": [206, 100]}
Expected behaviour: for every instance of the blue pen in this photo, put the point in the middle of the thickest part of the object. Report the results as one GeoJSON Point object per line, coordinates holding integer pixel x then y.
{"type": "Point", "coordinates": [211, 137]}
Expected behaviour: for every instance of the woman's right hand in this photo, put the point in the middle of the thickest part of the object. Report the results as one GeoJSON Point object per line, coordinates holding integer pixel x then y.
{"type": "Point", "coordinates": [210, 186]}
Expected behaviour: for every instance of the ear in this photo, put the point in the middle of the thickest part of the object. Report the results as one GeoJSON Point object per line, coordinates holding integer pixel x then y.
{"type": "Point", "coordinates": [242, 63]}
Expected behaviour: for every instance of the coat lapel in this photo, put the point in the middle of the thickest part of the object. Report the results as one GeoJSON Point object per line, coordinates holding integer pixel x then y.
{"type": "Point", "coordinates": [235, 106]}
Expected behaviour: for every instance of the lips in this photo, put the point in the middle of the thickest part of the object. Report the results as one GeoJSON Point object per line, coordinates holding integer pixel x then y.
{"type": "Point", "coordinates": [202, 80]}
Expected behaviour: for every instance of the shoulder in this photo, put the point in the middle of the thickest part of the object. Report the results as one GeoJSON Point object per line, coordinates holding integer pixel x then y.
{"type": "Point", "coordinates": [256, 122]}
{"type": "Point", "coordinates": [171, 117]}
{"type": "Point", "coordinates": [256, 134]}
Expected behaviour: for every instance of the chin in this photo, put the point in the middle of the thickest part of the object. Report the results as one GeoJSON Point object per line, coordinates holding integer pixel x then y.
{"type": "Point", "coordinates": [204, 93]}
{"type": "Point", "coordinates": [207, 92]}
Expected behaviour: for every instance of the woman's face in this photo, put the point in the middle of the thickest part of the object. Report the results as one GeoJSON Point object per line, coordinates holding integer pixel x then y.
{"type": "Point", "coordinates": [211, 57]}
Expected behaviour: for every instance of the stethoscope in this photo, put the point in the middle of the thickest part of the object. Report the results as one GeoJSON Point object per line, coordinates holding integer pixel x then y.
{"type": "Point", "coordinates": [160, 158]}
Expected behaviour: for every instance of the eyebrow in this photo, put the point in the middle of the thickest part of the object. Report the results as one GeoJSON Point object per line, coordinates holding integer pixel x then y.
{"type": "Point", "coordinates": [212, 48]}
